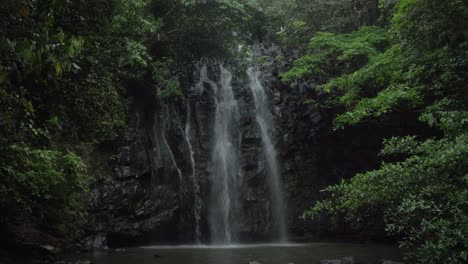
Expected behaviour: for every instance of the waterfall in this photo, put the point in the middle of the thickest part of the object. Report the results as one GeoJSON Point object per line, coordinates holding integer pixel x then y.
{"type": "Point", "coordinates": [226, 179]}
{"type": "Point", "coordinates": [205, 79]}
{"type": "Point", "coordinates": [163, 153]}
{"type": "Point", "coordinates": [265, 123]}
{"type": "Point", "coordinates": [225, 174]}
{"type": "Point", "coordinates": [197, 202]}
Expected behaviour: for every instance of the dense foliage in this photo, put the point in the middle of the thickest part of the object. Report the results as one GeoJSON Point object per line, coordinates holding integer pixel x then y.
{"type": "Point", "coordinates": [65, 67]}
{"type": "Point", "coordinates": [45, 187]}
{"type": "Point", "coordinates": [293, 22]}
{"type": "Point", "coordinates": [414, 66]}
{"type": "Point", "coordinates": [64, 70]}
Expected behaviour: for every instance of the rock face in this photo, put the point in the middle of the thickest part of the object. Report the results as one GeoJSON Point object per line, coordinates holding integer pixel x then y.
{"type": "Point", "coordinates": [159, 189]}
{"type": "Point", "coordinates": [145, 200]}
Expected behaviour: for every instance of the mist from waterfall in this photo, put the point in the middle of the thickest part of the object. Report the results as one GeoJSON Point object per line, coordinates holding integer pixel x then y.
{"type": "Point", "coordinates": [226, 179]}
{"type": "Point", "coordinates": [265, 121]}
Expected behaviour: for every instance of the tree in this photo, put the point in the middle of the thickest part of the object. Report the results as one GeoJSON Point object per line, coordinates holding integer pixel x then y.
{"type": "Point", "coordinates": [421, 193]}
{"type": "Point", "coordinates": [62, 75]}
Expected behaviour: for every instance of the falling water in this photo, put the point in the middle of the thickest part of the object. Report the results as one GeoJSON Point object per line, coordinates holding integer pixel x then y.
{"type": "Point", "coordinates": [226, 177]}
{"type": "Point", "coordinates": [196, 186]}
{"type": "Point", "coordinates": [205, 79]}
{"type": "Point", "coordinates": [163, 152]}
{"type": "Point", "coordinates": [265, 123]}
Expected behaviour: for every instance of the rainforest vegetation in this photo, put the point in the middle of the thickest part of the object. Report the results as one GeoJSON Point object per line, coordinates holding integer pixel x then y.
{"type": "Point", "coordinates": [67, 68]}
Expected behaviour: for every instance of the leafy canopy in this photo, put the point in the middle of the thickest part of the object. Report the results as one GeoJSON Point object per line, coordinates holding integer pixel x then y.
{"type": "Point", "coordinates": [417, 65]}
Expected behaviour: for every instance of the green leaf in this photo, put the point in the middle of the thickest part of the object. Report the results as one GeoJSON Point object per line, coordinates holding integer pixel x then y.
{"type": "Point", "coordinates": [55, 120]}
{"type": "Point", "coordinates": [26, 50]}
{"type": "Point", "coordinates": [3, 77]}
{"type": "Point", "coordinates": [58, 69]}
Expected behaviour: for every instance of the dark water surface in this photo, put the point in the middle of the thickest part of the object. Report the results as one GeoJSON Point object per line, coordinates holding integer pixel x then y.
{"type": "Point", "coordinates": [243, 254]}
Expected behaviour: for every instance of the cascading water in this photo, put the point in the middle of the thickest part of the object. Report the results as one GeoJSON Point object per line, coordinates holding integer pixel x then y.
{"type": "Point", "coordinates": [205, 79]}
{"type": "Point", "coordinates": [265, 123]}
{"type": "Point", "coordinates": [162, 148]}
{"type": "Point", "coordinates": [197, 203]}
{"type": "Point", "coordinates": [226, 178]}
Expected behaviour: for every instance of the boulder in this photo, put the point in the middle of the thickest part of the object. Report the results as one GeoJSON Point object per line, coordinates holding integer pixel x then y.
{"type": "Point", "coordinates": [96, 242]}
{"type": "Point", "coordinates": [347, 260]}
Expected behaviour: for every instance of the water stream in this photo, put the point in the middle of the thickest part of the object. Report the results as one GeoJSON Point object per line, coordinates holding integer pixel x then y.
{"type": "Point", "coordinates": [265, 122]}
{"type": "Point", "coordinates": [197, 204]}
{"type": "Point", "coordinates": [225, 177]}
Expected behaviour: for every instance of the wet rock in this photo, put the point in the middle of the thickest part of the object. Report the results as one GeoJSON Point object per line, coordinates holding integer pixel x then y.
{"type": "Point", "coordinates": [125, 155]}
{"type": "Point", "coordinates": [96, 242]}
{"type": "Point", "coordinates": [347, 260]}
{"type": "Point", "coordinates": [139, 200]}
{"type": "Point", "coordinates": [330, 261]}
{"type": "Point", "coordinates": [254, 262]}
{"type": "Point", "coordinates": [124, 172]}
{"type": "Point", "coordinates": [50, 249]}
{"type": "Point", "coordinates": [74, 262]}
{"type": "Point", "coordinates": [83, 262]}
{"type": "Point", "coordinates": [390, 262]}
{"type": "Point", "coordinates": [115, 251]}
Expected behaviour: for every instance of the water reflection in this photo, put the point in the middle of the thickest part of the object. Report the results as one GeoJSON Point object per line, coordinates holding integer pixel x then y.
{"type": "Point", "coordinates": [243, 254]}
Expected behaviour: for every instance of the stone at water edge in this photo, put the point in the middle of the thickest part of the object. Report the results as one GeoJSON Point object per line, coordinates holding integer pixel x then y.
{"type": "Point", "coordinates": [96, 242]}
{"type": "Point", "coordinates": [254, 262]}
{"type": "Point", "coordinates": [74, 262]}
{"type": "Point", "coordinates": [345, 260]}
{"type": "Point", "coordinates": [49, 249]}
{"type": "Point", "coordinates": [330, 261]}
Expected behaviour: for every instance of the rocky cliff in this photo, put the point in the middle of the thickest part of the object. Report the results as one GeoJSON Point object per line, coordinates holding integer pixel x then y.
{"type": "Point", "coordinates": [159, 189]}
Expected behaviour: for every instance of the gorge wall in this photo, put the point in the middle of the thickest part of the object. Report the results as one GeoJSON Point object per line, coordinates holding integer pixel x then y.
{"type": "Point", "coordinates": [159, 190]}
